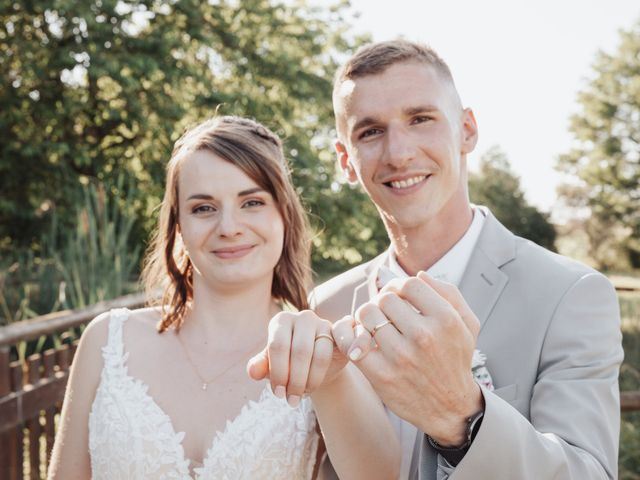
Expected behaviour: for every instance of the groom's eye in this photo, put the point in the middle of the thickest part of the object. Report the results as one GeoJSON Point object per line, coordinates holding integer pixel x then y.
{"type": "Point", "coordinates": [370, 132]}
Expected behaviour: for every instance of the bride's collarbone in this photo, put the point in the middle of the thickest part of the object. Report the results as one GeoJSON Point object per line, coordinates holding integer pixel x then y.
{"type": "Point", "coordinates": [156, 361]}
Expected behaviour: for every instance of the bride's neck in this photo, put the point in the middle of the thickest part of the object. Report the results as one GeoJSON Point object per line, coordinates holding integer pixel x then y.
{"type": "Point", "coordinates": [231, 313]}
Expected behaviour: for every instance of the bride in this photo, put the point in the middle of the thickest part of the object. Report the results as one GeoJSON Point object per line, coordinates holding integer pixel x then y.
{"type": "Point", "coordinates": [162, 392]}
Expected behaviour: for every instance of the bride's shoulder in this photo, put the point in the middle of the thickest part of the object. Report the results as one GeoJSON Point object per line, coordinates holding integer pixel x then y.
{"type": "Point", "coordinates": [139, 322]}
{"type": "Point", "coordinates": [143, 322]}
{"type": "Point", "coordinates": [146, 317]}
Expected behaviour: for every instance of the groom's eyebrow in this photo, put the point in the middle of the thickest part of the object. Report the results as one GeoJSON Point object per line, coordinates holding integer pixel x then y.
{"type": "Point", "coordinates": [420, 109]}
{"type": "Point", "coordinates": [365, 122]}
{"type": "Point", "coordinates": [368, 121]}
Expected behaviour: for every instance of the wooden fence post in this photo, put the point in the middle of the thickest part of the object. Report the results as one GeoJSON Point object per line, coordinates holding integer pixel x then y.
{"type": "Point", "coordinates": [10, 469]}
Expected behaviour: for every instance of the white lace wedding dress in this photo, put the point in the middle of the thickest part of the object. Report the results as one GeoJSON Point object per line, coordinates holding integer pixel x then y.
{"type": "Point", "coordinates": [130, 437]}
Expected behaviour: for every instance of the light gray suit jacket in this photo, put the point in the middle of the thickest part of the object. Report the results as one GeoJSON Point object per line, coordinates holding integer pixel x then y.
{"type": "Point", "coordinates": [550, 328]}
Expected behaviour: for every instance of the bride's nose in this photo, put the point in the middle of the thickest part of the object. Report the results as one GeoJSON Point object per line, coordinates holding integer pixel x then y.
{"type": "Point", "coordinates": [229, 225]}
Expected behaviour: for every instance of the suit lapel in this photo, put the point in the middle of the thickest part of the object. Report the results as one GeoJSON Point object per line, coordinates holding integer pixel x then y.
{"type": "Point", "coordinates": [482, 285]}
{"type": "Point", "coordinates": [483, 279]}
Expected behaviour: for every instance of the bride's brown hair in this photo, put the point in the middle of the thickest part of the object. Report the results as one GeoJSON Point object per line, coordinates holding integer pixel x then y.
{"type": "Point", "coordinates": [257, 151]}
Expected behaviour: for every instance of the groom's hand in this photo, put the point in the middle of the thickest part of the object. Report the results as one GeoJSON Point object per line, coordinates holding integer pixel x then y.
{"type": "Point", "coordinates": [421, 367]}
{"type": "Point", "coordinates": [299, 356]}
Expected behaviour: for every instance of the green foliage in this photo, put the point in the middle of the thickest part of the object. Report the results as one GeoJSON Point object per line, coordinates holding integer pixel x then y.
{"type": "Point", "coordinates": [28, 287]}
{"type": "Point", "coordinates": [75, 267]}
{"type": "Point", "coordinates": [94, 89]}
{"type": "Point", "coordinates": [497, 187]}
{"type": "Point", "coordinates": [353, 231]}
{"type": "Point", "coordinates": [605, 161]}
{"type": "Point", "coordinates": [96, 260]}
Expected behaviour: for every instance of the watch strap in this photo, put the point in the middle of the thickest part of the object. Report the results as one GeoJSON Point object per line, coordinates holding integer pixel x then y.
{"type": "Point", "coordinates": [454, 455]}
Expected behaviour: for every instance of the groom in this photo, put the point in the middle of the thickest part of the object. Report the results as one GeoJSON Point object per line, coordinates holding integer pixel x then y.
{"type": "Point", "coordinates": [549, 326]}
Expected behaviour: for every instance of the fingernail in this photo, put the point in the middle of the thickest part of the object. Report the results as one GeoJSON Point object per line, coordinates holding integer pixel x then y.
{"type": "Point", "coordinates": [355, 354]}
{"type": "Point", "coordinates": [280, 391]}
{"type": "Point", "coordinates": [294, 401]}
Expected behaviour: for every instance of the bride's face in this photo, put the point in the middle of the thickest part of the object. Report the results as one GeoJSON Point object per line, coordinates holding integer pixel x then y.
{"type": "Point", "coordinates": [232, 228]}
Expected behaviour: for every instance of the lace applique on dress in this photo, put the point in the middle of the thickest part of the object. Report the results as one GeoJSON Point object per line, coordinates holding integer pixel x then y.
{"type": "Point", "coordinates": [131, 437]}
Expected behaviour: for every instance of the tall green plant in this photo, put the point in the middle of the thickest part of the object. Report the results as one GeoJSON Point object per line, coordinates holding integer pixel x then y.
{"type": "Point", "coordinates": [96, 260]}
{"type": "Point", "coordinates": [29, 286]}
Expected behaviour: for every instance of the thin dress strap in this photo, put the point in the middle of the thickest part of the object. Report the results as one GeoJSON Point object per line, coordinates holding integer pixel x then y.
{"type": "Point", "coordinates": [113, 352]}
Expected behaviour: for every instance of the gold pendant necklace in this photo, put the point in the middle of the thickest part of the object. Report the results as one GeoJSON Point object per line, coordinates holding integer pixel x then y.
{"type": "Point", "coordinates": [206, 383]}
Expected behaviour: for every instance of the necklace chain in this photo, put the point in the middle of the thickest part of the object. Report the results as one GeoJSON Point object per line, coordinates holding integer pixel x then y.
{"type": "Point", "coordinates": [206, 383]}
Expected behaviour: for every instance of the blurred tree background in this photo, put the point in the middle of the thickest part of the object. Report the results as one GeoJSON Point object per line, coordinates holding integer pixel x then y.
{"type": "Point", "coordinates": [498, 187]}
{"type": "Point", "coordinates": [603, 167]}
{"type": "Point", "coordinates": [95, 93]}
{"type": "Point", "coordinates": [96, 89]}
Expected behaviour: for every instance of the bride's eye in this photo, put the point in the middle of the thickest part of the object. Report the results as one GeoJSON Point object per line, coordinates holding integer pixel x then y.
{"type": "Point", "coordinates": [203, 209]}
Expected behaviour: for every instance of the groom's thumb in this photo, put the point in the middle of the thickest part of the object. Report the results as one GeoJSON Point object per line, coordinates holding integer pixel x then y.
{"type": "Point", "coordinates": [258, 365]}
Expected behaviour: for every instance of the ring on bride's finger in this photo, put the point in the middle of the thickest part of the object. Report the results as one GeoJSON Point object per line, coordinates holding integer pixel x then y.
{"type": "Point", "coordinates": [379, 326]}
{"type": "Point", "coordinates": [323, 335]}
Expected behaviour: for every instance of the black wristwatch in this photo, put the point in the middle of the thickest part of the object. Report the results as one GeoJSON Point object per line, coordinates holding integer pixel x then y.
{"type": "Point", "coordinates": [454, 455]}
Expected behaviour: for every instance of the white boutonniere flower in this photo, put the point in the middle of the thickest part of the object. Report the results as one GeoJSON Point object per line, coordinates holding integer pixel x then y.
{"type": "Point", "coordinates": [479, 370]}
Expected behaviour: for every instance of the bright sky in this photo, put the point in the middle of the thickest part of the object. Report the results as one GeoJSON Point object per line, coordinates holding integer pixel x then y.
{"type": "Point", "coordinates": [519, 65]}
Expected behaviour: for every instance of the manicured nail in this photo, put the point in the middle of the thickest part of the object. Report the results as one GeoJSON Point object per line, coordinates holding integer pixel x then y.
{"type": "Point", "coordinates": [355, 354]}
{"type": "Point", "coordinates": [280, 391]}
{"type": "Point", "coordinates": [294, 401]}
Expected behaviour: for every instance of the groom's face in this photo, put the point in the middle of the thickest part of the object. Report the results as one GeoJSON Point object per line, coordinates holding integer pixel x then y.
{"type": "Point", "coordinates": [404, 136]}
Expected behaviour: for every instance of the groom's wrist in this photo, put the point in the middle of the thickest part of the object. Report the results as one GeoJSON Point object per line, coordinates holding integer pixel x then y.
{"type": "Point", "coordinates": [453, 430]}
{"type": "Point", "coordinates": [454, 455]}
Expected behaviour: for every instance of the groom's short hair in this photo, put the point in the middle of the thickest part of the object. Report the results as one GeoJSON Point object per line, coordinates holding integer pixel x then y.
{"type": "Point", "coordinates": [375, 58]}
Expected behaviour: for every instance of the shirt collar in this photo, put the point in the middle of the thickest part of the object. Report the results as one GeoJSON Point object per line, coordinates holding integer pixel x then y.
{"type": "Point", "coordinates": [452, 265]}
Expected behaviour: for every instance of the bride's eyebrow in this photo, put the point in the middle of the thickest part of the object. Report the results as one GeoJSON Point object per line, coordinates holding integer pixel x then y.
{"type": "Point", "coordinates": [200, 196]}
{"type": "Point", "coordinates": [243, 193]}
{"type": "Point", "coordinates": [250, 191]}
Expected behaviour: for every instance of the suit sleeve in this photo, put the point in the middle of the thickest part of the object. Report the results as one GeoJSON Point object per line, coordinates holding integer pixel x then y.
{"type": "Point", "coordinates": [575, 407]}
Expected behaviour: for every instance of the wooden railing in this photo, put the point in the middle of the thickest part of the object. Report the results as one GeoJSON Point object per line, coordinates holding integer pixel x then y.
{"type": "Point", "coordinates": [31, 393]}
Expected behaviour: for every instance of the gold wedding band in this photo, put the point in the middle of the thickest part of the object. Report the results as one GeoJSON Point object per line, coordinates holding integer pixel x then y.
{"type": "Point", "coordinates": [379, 326]}
{"type": "Point", "coordinates": [324, 335]}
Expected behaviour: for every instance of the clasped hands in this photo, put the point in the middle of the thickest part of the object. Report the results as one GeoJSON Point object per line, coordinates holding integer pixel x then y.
{"type": "Point", "coordinates": [414, 342]}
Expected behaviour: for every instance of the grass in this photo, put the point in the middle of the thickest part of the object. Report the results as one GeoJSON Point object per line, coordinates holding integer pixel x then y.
{"type": "Point", "coordinates": [629, 458]}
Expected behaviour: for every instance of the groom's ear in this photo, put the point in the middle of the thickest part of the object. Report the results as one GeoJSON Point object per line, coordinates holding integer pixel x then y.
{"type": "Point", "coordinates": [345, 162]}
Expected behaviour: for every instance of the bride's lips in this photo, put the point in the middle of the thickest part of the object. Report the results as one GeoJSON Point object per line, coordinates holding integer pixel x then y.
{"type": "Point", "coordinates": [233, 252]}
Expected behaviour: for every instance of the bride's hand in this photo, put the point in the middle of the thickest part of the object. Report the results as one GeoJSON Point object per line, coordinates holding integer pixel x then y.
{"type": "Point", "coordinates": [300, 355]}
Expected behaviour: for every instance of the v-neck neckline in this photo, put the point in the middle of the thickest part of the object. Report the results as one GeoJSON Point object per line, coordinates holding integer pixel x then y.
{"type": "Point", "coordinates": [194, 471]}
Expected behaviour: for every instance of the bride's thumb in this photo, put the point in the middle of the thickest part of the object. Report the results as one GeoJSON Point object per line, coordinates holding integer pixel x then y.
{"type": "Point", "coordinates": [258, 365]}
